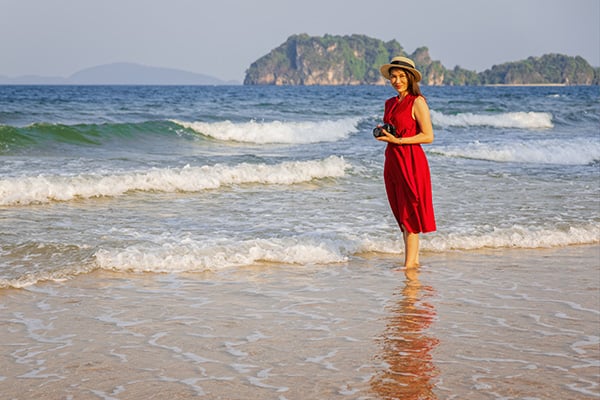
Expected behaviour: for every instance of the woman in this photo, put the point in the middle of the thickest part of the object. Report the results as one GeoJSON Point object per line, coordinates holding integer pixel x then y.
{"type": "Point", "coordinates": [406, 170]}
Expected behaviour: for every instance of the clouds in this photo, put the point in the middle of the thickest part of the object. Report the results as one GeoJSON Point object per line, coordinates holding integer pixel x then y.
{"type": "Point", "coordinates": [221, 38]}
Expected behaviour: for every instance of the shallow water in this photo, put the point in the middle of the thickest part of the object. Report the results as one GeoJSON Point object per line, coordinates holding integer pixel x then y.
{"type": "Point", "coordinates": [468, 325]}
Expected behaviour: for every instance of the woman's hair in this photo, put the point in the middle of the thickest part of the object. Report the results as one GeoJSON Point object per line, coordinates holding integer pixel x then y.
{"type": "Point", "coordinates": [413, 86]}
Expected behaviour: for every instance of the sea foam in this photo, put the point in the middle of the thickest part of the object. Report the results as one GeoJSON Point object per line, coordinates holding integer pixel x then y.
{"type": "Point", "coordinates": [524, 120]}
{"type": "Point", "coordinates": [575, 151]}
{"type": "Point", "coordinates": [47, 188]}
{"type": "Point", "coordinates": [275, 131]}
{"type": "Point", "coordinates": [192, 255]}
{"type": "Point", "coordinates": [517, 237]}
{"type": "Point", "coordinates": [175, 254]}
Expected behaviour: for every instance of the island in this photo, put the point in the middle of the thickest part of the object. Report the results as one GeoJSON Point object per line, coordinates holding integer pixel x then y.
{"type": "Point", "coordinates": [355, 60]}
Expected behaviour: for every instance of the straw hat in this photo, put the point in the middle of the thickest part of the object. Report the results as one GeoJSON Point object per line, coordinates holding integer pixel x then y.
{"type": "Point", "coordinates": [400, 62]}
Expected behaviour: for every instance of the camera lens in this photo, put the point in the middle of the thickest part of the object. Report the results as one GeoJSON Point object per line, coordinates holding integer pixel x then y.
{"type": "Point", "coordinates": [377, 132]}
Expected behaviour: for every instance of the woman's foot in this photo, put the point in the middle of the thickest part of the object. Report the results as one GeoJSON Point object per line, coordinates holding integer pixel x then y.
{"type": "Point", "coordinates": [411, 273]}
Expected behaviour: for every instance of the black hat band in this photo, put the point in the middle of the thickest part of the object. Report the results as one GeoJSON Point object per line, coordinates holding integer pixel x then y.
{"type": "Point", "coordinates": [402, 64]}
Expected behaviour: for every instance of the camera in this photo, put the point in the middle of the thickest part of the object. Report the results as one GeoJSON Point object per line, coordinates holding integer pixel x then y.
{"type": "Point", "coordinates": [377, 132]}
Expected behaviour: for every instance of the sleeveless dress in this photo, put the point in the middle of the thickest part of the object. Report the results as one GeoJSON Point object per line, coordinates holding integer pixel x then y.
{"type": "Point", "coordinates": [406, 171]}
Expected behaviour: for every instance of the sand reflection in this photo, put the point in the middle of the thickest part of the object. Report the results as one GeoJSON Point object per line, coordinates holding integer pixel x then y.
{"type": "Point", "coordinates": [406, 346]}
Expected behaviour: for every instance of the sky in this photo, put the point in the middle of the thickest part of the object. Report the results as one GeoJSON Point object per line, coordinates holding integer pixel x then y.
{"type": "Point", "coordinates": [222, 38]}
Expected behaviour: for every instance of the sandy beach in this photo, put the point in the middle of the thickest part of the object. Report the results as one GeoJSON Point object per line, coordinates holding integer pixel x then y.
{"type": "Point", "coordinates": [498, 324]}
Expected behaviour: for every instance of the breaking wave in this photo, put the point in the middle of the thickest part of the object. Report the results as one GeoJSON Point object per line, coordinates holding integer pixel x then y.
{"type": "Point", "coordinates": [523, 120]}
{"type": "Point", "coordinates": [275, 131]}
{"type": "Point", "coordinates": [575, 151]}
{"type": "Point", "coordinates": [175, 254]}
{"type": "Point", "coordinates": [47, 188]}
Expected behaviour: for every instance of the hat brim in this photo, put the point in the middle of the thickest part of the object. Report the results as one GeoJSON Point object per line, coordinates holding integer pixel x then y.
{"type": "Point", "coordinates": [385, 71]}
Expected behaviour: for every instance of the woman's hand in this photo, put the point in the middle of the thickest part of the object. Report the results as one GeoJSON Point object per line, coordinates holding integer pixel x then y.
{"type": "Point", "coordinates": [388, 137]}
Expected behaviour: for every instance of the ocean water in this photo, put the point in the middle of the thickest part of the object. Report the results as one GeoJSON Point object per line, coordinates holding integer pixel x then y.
{"type": "Point", "coordinates": [187, 179]}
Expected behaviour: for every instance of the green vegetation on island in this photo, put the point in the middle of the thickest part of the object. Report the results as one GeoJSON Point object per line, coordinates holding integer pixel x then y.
{"type": "Point", "coordinates": [355, 60]}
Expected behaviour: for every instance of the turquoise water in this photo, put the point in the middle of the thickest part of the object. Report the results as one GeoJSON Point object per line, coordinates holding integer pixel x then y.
{"type": "Point", "coordinates": [173, 179]}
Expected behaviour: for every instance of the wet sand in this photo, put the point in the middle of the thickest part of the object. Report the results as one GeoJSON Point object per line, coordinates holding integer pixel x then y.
{"type": "Point", "coordinates": [498, 324]}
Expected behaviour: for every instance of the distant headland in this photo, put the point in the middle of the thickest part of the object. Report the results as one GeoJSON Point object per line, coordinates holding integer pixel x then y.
{"type": "Point", "coordinates": [121, 74]}
{"type": "Point", "coordinates": [355, 60]}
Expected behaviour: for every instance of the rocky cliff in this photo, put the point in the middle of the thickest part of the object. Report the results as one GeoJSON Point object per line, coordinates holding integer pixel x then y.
{"type": "Point", "coordinates": [355, 60]}
{"type": "Point", "coordinates": [328, 60]}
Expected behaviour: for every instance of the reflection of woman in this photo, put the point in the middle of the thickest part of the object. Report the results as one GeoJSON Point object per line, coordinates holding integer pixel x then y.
{"type": "Point", "coordinates": [406, 348]}
{"type": "Point", "coordinates": [406, 170]}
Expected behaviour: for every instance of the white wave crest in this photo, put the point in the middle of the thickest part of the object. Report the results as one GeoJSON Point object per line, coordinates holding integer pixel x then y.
{"type": "Point", "coordinates": [170, 254]}
{"type": "Point", "coordinates": [525, 120]}
{"type": "Point", "coordinates": [518, 237]}
{"type": "Point", "coordinates": [513, 237]}
{"type": "Point", "coordinates": [193, 256]}
{"type": "Point", "coordinates": [189, 255]}
{"type": "Point", "coordinates": [275, 131]}
{"type": "Point", "coordinates": [43, 189]}
{"type": "Point", "coordinates": [571, 152]}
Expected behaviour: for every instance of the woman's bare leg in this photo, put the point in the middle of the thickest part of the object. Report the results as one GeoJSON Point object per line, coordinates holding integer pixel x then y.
{"type": "Point", "coordinates": [411, 249]}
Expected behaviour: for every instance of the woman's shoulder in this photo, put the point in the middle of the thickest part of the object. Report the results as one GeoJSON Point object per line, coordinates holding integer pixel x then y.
{"type": "Point", "coordinates": [420, 100]}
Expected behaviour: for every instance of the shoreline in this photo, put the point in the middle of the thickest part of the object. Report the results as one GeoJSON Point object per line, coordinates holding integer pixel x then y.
{"type": "Point", "coordinates": [531, 84]}
{"type": "Point", "coordinates": [504, 322]}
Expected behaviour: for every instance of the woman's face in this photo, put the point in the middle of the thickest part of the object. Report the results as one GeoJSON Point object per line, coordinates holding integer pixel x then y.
{"type": "Point", "coordinates": [399, 80]}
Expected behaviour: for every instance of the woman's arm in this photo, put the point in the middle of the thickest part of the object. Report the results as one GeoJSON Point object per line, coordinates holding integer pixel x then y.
{"type": "Point", "coordinates": [423, 117]}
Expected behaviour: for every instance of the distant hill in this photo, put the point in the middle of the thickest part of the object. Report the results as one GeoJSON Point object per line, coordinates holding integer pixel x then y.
{"type": "Point", "coordinates": [122, 74]}
{"type": "Point", "coordinates": [547, 69]}
{"type": "Point", "coordinates": [355, 60]}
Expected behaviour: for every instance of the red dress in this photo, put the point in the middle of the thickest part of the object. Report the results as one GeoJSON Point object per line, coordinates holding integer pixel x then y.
{"type": "Point", "coordinates": [406, 171]}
